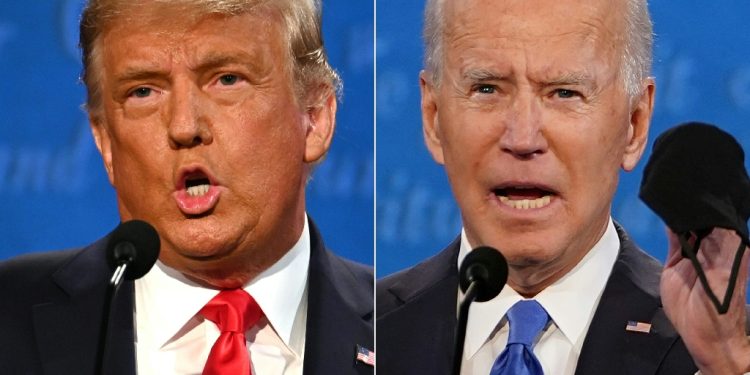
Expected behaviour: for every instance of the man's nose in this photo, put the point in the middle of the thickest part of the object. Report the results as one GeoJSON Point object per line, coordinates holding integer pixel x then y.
{"type": "Point", "coordinates": [522, 135]}
{"type": "Point", "coordinates": [188, 124]}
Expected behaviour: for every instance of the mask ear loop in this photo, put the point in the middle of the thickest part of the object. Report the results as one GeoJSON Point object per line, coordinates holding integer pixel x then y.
{"type": "Point", "coordinates": [690, 252]}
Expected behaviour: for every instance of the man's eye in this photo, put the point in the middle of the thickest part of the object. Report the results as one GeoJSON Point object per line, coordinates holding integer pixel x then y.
{"type": "Point", "coordinates": [485, 89]}
{"type": "Point", "coordinates": [228, 79]}
{"type": "Point", "coordinates": [566, 94]}
{"type": "Point", "coordinates": [141, 92]}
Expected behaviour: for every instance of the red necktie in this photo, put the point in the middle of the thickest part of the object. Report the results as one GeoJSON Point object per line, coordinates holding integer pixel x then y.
{"type": "Point", "coordinates": [234, 312]}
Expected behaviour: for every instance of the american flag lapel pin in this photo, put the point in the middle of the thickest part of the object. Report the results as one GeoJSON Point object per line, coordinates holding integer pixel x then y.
{"type": "Point", "coordinates": [641, 327]}
{"type": "Point", "coordinates": [365, 356]}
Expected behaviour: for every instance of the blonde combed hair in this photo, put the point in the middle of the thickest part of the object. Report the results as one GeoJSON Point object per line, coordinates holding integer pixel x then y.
{"type": "Point", "coordinates": [302, 22]}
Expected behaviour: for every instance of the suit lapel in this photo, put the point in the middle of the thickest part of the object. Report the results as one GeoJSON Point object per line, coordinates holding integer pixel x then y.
{"type": "Point", "coordinates": [631, 294]}
{"type": "Point", "coordinates": [339, 314]}
{"type": "Point", "coordinates": [67, 326]}
{"type": "Point", "coordinates": [427, 295]}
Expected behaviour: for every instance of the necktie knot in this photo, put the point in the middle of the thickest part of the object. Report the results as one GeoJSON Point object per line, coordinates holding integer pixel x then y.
{"type": "Point", "coordinates": [526, 318]}
{"type": "Point", "coordinates": [232, 311]}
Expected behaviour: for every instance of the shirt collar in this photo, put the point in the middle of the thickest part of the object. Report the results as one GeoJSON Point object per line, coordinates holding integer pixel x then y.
{"type": "Point", "coordinates": [570, 310]}
{"type": "Point", "coordinates": [279, 289]}
{"type": "Point", "coordinates": [169, 300]}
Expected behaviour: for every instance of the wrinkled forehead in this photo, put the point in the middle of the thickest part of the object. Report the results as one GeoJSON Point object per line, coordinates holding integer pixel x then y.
{"type": "Point", "coordinates": [168, 32]}
{"type": "Point", "coordinates": [179, 16]}
{"type": "Point", "coordinates": [534, 20]}
{"type": "Point", "coordinates": [175, 9]}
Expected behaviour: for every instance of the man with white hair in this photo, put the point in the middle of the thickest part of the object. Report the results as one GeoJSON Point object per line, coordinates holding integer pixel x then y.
{"type": "Point", "coordinates": [210, 116]}
{"type": "Point", "coordinates": [533, 107]}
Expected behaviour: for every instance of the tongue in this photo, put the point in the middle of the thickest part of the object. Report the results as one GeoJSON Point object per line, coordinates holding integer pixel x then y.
{"type": "Point", "coordinates": [515, 193]}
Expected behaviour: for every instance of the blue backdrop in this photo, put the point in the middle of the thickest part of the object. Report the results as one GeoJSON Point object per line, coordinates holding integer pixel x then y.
{"type": "Point", "coordinates": [702, 69]}
{"type": "Point", "coordinates": [53, 189]}
{"type": "Point", "coordinates": [54, 193]}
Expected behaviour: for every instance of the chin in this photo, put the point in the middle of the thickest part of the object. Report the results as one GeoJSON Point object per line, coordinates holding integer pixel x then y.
{"type": "Point", "coordinates": [199, 236]}
{"type": "Point", "coordinates": [200, 245]}
{"type": "Point", "coordinates": [205, 250]}
{"type": "Point", "coordinates": [527, 249]}
{"type": "Point", "coordinates": [530, 257]}
{"type": "Point", "coordinates": [219, 280]}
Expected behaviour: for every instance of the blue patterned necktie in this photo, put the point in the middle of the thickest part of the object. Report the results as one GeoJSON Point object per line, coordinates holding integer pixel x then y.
{"type": "Point", "coordinates": [526, 318]}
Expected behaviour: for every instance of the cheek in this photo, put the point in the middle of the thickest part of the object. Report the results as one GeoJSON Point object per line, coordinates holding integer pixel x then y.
{"type": "Point", "coordinates": [599, 172]}
{"type": "Point", "coordinates": [260, 122]}
{"type": "Point", "coordinates": [614, 141]}
{"type": "Point", "coordinates": [263, 145]}
{"type": "Point", "coordinates": [137, 152]}
{"type": "Point", "coordinates": [467, 137]}
{"type": "Point", "coordinates": [589, 152]}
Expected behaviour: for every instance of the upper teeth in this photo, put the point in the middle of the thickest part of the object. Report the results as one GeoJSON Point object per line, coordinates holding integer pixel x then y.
{"type": "Point", "coordinates": [198, 190]}
{"type": "Point", "coordinates": [525, 204]}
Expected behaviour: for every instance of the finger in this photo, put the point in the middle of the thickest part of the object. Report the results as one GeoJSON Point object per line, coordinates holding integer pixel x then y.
{"type": "Point", "coordinates": [742, 276]}
{"type": "Point", "coordinates": [739, 296]}
{"type": "Point", "coordinates": [676, 264]}
{"type": "Point", "coordinates": [718, 250]}
{"type": "Point", "coordinates": [718, 260]}
{"type": "Point", "coordinates": [674, 249]}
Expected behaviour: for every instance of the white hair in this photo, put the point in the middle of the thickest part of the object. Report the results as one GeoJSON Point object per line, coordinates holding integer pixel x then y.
{"type": "Point", "coordinates": [636, 55]}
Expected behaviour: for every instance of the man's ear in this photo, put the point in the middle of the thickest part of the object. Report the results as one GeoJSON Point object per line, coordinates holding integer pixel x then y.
{"type": "Point", "coordinates": [430, 121]}
{"type": "Point", "coordinates": [321, 125]}
{"type": "Point", "coordinates": [103, 143]}
{"type": "Point", "coordinates": [640, 120]}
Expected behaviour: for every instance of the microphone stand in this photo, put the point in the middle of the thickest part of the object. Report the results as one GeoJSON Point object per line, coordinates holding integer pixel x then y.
{"type": "Point", "coordinates": [482, 275]}
{"type": "Point", "coordinates": [463, 318]}
{"type": "Point", "coordinates": [112, 288]}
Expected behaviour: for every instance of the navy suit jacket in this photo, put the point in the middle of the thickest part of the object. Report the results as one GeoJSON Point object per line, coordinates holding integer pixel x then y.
{"type": "Point", "coordinates": [51, 305]}
{"type": "Point", "coordinates": [417, 318]}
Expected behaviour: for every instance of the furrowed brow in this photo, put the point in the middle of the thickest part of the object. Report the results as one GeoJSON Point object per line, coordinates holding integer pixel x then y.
{"type": "Point", "coordinates": [217, 60]}
{"type": "Point", "coordinates": [573, 79]}
{"type": "Point", "coordinates": [139, 73]}
{"type": "Point", "coordinates": [481, 75]}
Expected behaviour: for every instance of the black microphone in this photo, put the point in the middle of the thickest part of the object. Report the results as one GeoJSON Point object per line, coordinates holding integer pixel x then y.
{"type": "Point", "coordinates": [482, 276]}
{"type": "Point", "coordinates": [132, 250]}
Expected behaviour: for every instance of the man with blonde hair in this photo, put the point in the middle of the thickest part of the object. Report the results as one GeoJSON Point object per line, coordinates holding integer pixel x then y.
{"type": "Point", "coordinates": [210, 116]}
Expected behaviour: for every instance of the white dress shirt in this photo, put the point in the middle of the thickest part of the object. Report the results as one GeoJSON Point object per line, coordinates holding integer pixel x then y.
{"type": "Point", "coordinates": [570, 303]}
{"type": "Point", "coordinates": [172, 338]}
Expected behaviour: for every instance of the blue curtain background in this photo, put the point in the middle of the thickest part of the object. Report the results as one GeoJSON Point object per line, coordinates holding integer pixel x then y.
{"type": "Point", "coordinates": [54, 192]}
{"type": "Point", "coordinates": [702, 69]}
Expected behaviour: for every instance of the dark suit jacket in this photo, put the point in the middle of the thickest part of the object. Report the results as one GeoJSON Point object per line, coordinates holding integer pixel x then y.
{"type": "Point", "coordinates": [417, 319]}
{"type": "Point", "coordinates": [51, 304]}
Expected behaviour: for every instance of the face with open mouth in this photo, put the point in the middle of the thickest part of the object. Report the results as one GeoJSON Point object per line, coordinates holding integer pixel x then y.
{"type": "Point", "coordinates": [202, 136]}
{"type": "Point", "coordinates": [532, 122]}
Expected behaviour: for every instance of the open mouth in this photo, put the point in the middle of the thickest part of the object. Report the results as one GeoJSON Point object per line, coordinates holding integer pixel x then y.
{"type": "Point", "coordinates": [524, 197]}
{"type": "Point", "coordinates": [197, 186]}
{"type": "Point", "coordinates": [196, 191]}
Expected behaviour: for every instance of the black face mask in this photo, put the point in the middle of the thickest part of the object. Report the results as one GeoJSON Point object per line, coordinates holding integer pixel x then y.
{"type": "Point", "coordinates": [695, 181]}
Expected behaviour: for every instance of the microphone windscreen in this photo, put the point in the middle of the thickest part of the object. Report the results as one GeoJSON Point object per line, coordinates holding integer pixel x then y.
{"type": "Point", "coordinates": [488, 267]}
{"type": "Point", "coordinates": [133, 240]}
